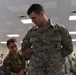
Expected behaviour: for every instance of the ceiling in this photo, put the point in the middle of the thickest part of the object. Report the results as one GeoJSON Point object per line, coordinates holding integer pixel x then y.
{"type": "Point", "coordinates": [11, 10]}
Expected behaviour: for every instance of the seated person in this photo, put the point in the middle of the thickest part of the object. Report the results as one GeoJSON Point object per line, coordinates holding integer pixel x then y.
{"type": "Point", "coordinates": [14, 63]}
{"type": "Point", "coordinates": [1, 65]}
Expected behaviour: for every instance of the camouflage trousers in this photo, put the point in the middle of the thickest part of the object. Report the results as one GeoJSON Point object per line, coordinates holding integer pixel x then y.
{"type": "Point", "coordinates": [43, 71]}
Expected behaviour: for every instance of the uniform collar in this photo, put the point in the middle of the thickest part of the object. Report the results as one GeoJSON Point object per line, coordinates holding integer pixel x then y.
{"type": "Point", "coordinates": [51, 22]}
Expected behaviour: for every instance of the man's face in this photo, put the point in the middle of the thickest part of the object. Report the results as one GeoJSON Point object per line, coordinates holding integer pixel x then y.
{"type": "Point", "coordinates": [13, 47]}
{"type": "Point", "coordinates": [36, 18]}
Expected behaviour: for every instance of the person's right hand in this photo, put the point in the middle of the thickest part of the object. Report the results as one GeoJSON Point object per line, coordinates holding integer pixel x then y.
{"type": "Point", "coordinates": [28, 50]}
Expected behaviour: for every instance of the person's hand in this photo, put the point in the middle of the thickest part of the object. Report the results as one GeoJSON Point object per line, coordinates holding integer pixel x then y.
{"type": "Point", "coordinates": [28, 50]}
{"type": "Point", "coordinates": [22, 72]}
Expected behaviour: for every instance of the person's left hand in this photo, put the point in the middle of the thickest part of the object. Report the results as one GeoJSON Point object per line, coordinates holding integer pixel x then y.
{"type": "Point", "coordinates": [22, 72]}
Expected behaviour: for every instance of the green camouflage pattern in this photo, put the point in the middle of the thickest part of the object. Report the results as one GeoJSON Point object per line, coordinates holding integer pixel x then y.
{"type": "Point", "coordinates": [51, 44]}
{"type": "Point", "coordinates": [13, 64]}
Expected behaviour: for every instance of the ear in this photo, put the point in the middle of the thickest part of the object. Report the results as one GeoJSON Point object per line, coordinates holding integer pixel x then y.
{"type": "Point", "coordinates": [41, 13]}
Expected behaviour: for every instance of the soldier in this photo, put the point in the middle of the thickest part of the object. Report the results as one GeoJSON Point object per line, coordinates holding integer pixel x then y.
{"type": "Point", "coordinates": [14, 63]}
{"type": "Point", "coordinates": [1, 65]}
{"type": "Point", "coordinates": [74, 64]}
{"type": "Point", "coordinates": [74, 60]}
{"type": "Point", "coordinates": [46, 44]}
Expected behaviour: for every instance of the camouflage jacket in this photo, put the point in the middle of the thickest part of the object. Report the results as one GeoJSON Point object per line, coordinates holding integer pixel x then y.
{"type": "Point", "coordinates": [13, 64]}
{"type": "Point", "coordinates": [50, 45]}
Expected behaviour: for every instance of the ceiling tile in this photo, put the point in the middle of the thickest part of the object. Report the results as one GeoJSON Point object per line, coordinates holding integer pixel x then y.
{"type": "Point", "coordinates": [52, 4]}
{"type": "Point", "coordinates": [9, 22]}
{"type": "Point", "coordinates": [13, 8]}
{"type": "Point", "coordinates": [73, 3]}
{"type": "Point", "coordinates": [4, 31]}
{"type": "Point", "coordinates": [24, 7]}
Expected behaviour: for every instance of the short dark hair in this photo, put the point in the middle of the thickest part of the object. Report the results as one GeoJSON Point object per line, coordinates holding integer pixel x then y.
{"type": "Point", "coordinates": [36, 8]}
{"type": "Point", "coordinates": [11, 40]}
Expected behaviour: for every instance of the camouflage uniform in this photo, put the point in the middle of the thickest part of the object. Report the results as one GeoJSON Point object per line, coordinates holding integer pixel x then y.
{"type": "Point", "coordinates": [51, 44]}
{"type": "Point", "coordinates": [13, 64]}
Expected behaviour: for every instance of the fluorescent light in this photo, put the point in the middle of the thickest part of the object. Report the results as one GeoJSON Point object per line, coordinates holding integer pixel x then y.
{"type": "Point", "coordinates": [26, 21]}
{"type": "Point", "coordinates": [73, 39]}
{"type": "Point", "coordinates": [13, 35]}
{"type": "Point", "coordinates": [72, 17]}
{"type": "Point", "coordinates": [3, 42]}
{"type": "Point", "coordinates": [72, 32]}
{"type": "Point", "coordinates": [21, 41]}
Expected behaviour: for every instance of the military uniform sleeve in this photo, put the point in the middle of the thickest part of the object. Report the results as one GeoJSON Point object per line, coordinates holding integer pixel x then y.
{"type": "Point", "coordinates": [72, 58]}
{"type": "Point", "coordinates": [7, 67]}
{"type": "Point", "coordinates": [26, 44]}
{"type": "Point", "coordinates": [67, 46]}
